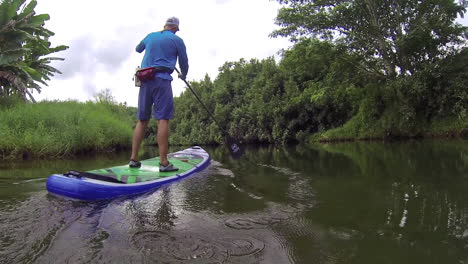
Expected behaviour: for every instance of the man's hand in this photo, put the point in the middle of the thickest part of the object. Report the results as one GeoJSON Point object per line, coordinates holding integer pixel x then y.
{"type": "Point", "coordinates": [182, 76]}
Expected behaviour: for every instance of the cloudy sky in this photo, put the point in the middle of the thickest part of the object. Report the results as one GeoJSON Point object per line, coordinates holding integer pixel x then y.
{"type": "Point", "coordinates": [102, 36]}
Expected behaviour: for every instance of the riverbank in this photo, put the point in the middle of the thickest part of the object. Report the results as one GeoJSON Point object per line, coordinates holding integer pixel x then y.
{"type": "Point", "coordinates": [57, 129]}
{"type": "Point", "coordinates": [385, 129]}
{"type": "Point", "coordinates": [64, 129]}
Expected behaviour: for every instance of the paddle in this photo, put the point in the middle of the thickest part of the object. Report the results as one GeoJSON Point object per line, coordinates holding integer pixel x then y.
{"type": "Point", "coordinates": [234, 146]}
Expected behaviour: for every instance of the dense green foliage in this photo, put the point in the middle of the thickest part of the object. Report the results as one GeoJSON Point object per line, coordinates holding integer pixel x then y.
{"type": "Point", "coordinates": [432, 102]}
{"type": "Point", "coordinates": [358, 69]}
{"type": "Point", "coordinates": [24, 48]}
{"type": "Point", "coordinates": [55, 129]}
{"type": "Point", "coordinates": [393, 37]}
{"type": "Point", "coordinates": [318, 86]}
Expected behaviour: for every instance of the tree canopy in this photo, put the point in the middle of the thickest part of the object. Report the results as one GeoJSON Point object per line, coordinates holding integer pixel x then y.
{"type": "Point", "coordinates": [361, 68]}
{"type": "Point", "coordinates": [24, 47]}
{"type": "Point", "coordinates": [394, 37]}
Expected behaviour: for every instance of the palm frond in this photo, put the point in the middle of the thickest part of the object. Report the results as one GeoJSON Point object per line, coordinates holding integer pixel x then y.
{"type": "Point", "coordinates": [10, 56]}
{"type": "Point", "coordinates": [24, 46]}
{"type": "Point", "coordinates": [8, 9]}
{"type": "Point", "coordinates": [27, 9]}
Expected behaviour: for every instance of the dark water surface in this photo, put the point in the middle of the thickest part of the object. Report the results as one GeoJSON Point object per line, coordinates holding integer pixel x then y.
{"type": "Point", "coordinates": [338, 203]}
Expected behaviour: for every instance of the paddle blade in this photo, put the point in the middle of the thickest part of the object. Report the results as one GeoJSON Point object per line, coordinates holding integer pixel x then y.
{"type": "Point", "coordinates": [234, 147]}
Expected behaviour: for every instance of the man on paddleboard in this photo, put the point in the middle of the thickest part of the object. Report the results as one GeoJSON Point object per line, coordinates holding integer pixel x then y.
{"type": "Point", "coordinates": [162, 49]}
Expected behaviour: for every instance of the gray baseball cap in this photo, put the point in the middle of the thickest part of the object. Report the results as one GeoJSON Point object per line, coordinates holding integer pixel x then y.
{"type": "Point", "coordinates": [172, 21]}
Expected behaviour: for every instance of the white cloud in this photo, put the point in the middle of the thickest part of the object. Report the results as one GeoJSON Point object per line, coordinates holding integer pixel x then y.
{"type": "Point", "coordinates": [102, 36]}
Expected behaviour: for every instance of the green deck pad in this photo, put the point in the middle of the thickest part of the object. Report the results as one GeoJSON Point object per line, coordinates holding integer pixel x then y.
{"type": "Point", "coordinates": [149, 169]}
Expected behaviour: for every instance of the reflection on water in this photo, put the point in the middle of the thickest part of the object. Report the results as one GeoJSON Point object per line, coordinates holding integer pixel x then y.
{"type": "Point", "coordinates": [337, 203]}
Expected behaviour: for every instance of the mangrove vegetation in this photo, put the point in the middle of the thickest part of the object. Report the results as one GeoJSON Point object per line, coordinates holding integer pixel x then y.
{"type": "Point", "coordinates": [357, 69]}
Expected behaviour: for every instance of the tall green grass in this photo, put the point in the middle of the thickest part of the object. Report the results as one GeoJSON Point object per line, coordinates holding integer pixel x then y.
{"type": "Point", "coordinates": [56, 129]}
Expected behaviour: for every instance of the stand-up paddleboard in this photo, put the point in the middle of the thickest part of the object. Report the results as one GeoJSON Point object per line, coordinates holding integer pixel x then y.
{"type": "Point", "coordinates": [122, 180]}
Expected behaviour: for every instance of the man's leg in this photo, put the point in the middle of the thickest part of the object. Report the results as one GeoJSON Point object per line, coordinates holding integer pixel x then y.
{"type": "Point", "coordinates": [138, 135]}
{"type": "Point", "coordinates": [163, 140]}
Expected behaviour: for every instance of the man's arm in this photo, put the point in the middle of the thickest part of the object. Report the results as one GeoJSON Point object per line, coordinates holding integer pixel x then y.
{"type": "Point", "coordinates": [183, 59]}
{"type": "Point", "coordinates": [140, 47]}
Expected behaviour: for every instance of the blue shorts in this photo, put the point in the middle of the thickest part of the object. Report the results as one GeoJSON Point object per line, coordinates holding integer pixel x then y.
{"type": "Point", "coordinates": [157, 92]}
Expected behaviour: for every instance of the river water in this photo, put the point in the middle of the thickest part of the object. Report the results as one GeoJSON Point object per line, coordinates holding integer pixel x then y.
{"type": "Point", "coordinates": [335, 203]}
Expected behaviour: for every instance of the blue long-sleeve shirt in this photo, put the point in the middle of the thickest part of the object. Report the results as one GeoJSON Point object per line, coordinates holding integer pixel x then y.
{"type": "Point", "coordinates": [162, 49]}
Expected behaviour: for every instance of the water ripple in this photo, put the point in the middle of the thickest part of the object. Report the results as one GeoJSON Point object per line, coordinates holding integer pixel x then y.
{"type": "Point", "coordinates": [169, 247]}
{"type": "Point", "coordinates": [242, 246]}
{"type": "Point", "coordinates": [29, 230]}
{"type": "Point", "coordinates": [216, 168]}
{"type": "Point", "coordinates": [249, 223]}
{"type": "Point", "coordinates": [285, 171]}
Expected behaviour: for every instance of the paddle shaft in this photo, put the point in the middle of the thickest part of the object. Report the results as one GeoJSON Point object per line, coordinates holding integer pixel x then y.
{"type": "Point", "coordinates": [234, 147]}
{"type": "Point", "coordinates": [206, 108]}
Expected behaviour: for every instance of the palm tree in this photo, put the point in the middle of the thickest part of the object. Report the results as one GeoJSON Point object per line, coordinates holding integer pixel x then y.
{"type": "Point", "coordinates": [23, 47]}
